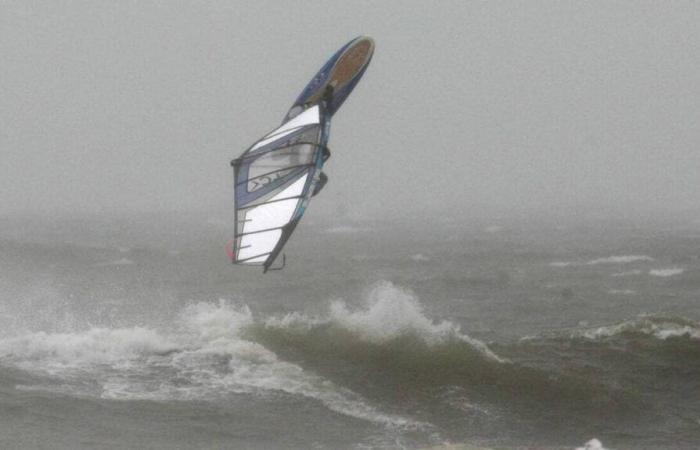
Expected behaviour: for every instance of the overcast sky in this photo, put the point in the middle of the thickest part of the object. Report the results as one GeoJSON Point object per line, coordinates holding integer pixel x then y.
{"type": "Point", "coordinates": [119, 106]}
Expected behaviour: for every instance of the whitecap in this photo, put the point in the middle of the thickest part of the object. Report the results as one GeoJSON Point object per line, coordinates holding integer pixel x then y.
{"type": "Point", "coordinates": [615, 259]}
{"type": "Point", "coordinates": [389, 312]}
{"type": "Point", "coordinates": [657, 327]}
{"type": "Point", "coordinates": [669, 272]}
{"type": "Point", "coordinates": [624, 259]}
{"type": "Point", "coordinates": [80, 349]}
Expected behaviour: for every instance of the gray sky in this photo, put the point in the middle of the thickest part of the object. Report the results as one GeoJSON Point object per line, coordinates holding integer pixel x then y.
{"type": "Point", "coordinates": [119, 106]}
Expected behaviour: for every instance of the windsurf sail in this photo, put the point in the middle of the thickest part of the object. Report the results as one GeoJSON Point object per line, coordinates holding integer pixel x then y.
{"type": "Point", "coordinates": [273, 182]}
{"type": "Point", "coordinates": [277, 176]}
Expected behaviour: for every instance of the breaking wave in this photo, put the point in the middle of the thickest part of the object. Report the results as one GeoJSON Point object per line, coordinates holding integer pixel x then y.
{"type": "Point", "coordinates": [205, 358]}
{"type": "Point", "coordinates": [653, 326]}
{"type": "Point", "coordinates": [645, 327]}
{"type": "Point", "coordinates": [387, 346]}
{"type": "Point", "coordinates": [383, 360]}
{"type": "Point", "coordinates": [389, 314]}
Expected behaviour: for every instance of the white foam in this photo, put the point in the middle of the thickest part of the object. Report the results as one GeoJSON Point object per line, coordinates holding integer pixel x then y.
{"type": "Point", "coordinates": [658, 327]}
{"type": "Point", "coordinates": [593, 444]}
{"type": "Point", "coordinates": [204, 357]}
{"type": "Point", "coordinates": [419, 257]}
{"type": "Point", "coordinates": [292, 379]}
{"type": "Point", "coordinates": [389, 313]}
{"type": "Point", "coordinates": [294, 320]}
{"type": "Point", "coordinates": [214, 321]}
{"type": "Point", "coordinates": [669, 272]}
{"type": "Point", "coordinates": [94, 346]}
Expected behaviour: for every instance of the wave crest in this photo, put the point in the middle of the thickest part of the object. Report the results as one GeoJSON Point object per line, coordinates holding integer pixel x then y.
{"type": "Point", "coordinates": [389, 313]}
{"type": "Point", "coordinates": [206, 356]}
{"type": "Point", "coordinates": [654, 326]}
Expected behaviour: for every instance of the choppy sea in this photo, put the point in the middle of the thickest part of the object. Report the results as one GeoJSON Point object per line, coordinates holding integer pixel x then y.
{"type": "Point", "coordinates": [135, 332]}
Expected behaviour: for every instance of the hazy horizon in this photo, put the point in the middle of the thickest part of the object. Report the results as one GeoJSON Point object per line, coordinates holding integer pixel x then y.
{"type": "Point", "coordinates": [467, 108]}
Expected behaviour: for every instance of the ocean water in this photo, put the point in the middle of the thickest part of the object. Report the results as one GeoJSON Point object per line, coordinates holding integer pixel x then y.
{"type": "Point", "coordinates": [135, 332]}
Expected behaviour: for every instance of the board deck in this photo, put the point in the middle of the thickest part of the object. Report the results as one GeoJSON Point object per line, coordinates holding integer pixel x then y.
{"type": "Point", "coordinates": [341, 72]}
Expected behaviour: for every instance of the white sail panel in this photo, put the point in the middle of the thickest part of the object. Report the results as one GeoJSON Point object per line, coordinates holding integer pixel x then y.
{"type": "Point", "coordinates": [275, 213]}
{"type": "Point", "coordinates": [270, 215]}
{"type": "Point", "coordinates": [258, 244]}
{"type": "Point", "coordinates": [309, 117]}
{"type": "Point", "coordinates": [294, 190]}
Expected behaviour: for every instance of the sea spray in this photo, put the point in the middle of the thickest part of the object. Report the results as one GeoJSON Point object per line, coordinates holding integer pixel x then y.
{"type": "Point", "coordinates": [389, 313]}
{"type": "Point", "coordinates": [81, 349]}
{"type": "Point", "coordinates": [203, 358]}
